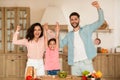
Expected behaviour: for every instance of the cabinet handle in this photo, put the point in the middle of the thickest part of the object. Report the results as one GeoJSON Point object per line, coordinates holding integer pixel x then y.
{"type": "Point", "coordinates": [12, 60]}
{"type": "Point", "coordinates": [66, 60]}
{"type": "Point", "coordinates": [93, 59]}
{"type": "Point", "coordinates": [107, 55]}
{"type": "Point", "coordinates": [19, 56]}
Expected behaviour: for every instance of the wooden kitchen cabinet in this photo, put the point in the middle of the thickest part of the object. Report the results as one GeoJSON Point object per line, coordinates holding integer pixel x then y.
{"type": "Point", "coordinates": [97, 62]}
{"type": "Point", "coordinates": [2, 65]}
{"type": "Point", "coordinates": [109, 65]}
{"type": "Point", "coordinates": [117, 66]}
{"type": "Point", "coordinates": [65, 65]}
{"type": "Point", "coordinates": [10, 17]}
{"type": "Point", "coordinates": [12, 66]}
{"type": "Point", "coordinates": [22, 65]}
{"type": "Point", "coordinates": [15, 65]}
{"type": "Point", "coordinates": [15, 16]}
{"type": "Point", "coordinates": [1, 30]}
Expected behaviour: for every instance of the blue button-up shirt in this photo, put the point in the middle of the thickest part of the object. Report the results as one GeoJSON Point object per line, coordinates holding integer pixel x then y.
{"type": "Point", "coordinates": [86, 35]}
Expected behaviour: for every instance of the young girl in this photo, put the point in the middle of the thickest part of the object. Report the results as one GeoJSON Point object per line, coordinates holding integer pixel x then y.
{"type": "Point", "coordinates": [52, 64]}
{"type": "Point", "coordinates": [34, 42]}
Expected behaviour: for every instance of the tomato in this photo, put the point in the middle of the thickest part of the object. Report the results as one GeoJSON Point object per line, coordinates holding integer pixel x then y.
{"type": "Point", "coordinates": [84, 78]}
{"type": "Point", "coordinates": [29, 78]}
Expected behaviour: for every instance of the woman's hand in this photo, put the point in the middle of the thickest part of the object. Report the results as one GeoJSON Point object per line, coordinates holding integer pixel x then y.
{"type": "Point", "coordinates": [18, 28]}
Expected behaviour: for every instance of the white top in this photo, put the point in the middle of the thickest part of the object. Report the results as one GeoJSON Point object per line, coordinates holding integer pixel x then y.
{"type": "Point", "coordinates": [79, 49]}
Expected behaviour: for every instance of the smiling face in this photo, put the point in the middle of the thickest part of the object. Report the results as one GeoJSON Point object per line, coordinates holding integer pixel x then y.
{"type": "Point", "coordinates": [74, 20]}
{"type": "Point", "coordinates": [37, 32]}
{"type": "Point", "coordinates": [52, 44]}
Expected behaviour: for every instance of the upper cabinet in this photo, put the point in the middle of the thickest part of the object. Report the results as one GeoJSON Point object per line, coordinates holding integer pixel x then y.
{"type": "Point", "coordinates": [1, 30]}
{"type": "Point", "coordinates": [10, 17]}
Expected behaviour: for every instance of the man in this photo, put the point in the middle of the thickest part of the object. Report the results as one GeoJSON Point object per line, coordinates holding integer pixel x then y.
{"type": "Point", "coordinates": [81, 48]}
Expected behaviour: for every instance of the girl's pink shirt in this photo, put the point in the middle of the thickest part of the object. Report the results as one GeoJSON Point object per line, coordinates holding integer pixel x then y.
{"type": "Point", "coordinates": [35, 49]}
{"type": "Point", "coordinates": [52, 59]}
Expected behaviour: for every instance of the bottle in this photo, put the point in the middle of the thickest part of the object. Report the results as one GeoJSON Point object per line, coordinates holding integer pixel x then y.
{"type": "Point", "coordinates": [98, 49]}
{"type": "Point", "coordinates": [30, 71]}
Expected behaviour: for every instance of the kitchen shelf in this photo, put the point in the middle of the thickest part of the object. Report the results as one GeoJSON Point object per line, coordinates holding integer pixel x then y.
{"type": "Point", "coordinates": [62, 27]}
{"type": "Point", "coordinates": [104, 30]}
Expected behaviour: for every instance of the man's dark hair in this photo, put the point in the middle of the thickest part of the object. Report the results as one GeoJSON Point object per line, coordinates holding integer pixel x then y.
{"type": "Point", "coordinates": [52, 39]}
{"type": "Point", "coordinates": [74, 14]}
{"type": "Point", "coordinates": [30, 31]}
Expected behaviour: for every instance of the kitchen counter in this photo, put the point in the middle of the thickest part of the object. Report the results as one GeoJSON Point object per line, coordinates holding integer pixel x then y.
{"type": "Point", "coordinates": [69, 77]}
{"type": "Point", "coordinates": [108, 53]}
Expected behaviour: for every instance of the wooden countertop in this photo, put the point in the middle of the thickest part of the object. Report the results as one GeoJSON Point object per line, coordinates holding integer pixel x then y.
{"type": "Point", "coordinates": [108, 53]}
{"type": "Point", "coordinates": [69, 77]}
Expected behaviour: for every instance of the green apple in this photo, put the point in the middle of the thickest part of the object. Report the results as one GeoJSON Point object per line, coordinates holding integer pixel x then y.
{"type": "Point", "coordinates": [62, 74]}
{"type": "Point", "coordinates": [85, 72]}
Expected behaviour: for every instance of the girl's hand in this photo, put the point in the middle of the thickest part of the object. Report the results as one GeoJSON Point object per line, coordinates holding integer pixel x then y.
{"type": "Point", "coordinates": [57, 27]}
{"type": "Point", "coordinates": [96, 4]}
{"type": "Point", "coordinates": [46, 26]}
{"type": "Point", "coordinates": [18, 28]}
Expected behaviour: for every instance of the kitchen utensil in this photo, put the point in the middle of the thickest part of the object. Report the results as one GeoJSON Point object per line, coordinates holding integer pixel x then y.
{"type": "Point", "coordinates": [97, 40]}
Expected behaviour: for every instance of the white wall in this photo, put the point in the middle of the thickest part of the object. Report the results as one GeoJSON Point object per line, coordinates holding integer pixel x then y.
{"type": "Point", "coordinates": [87, 11]}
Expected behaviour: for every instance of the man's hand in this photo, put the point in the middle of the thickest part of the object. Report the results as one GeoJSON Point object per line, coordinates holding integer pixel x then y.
{"type": "Point", "coordinates": [96, 4]}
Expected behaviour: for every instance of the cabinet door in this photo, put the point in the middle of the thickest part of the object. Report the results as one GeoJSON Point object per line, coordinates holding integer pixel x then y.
{"type": "Point", "coordinates": [12, 65]}
{"type": "Point", "coordinates": [1, 30]}
{"type": "Point", "coordinates": [65, 65]}
{"type": "Point", "coordinates": [10, 24]}
{"type": "Point", "coordinates": [23, 18]}
{"type": "Point", "coordinates": [22, 65]}
{"type": "Point", "coordinates": [2, 66]}
{"type": "Point", "coordinates": [107, 65]}
{"type": "Point", "coordinates": [97, 63]}
{"type": "Point", "coordinates": [15, 65]}
{"type": "Point", "coordinates": [15, 16]}
{"type": "Point", "coordinates": [117, 66]}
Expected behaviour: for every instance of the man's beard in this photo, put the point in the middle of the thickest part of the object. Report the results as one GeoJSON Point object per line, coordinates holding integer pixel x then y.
{"type": "Point", "coordinates": [75, 26]}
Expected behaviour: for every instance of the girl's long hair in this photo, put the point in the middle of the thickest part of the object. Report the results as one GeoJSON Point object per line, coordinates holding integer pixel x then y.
{"type": "Point", "coordinates": [30, 31]}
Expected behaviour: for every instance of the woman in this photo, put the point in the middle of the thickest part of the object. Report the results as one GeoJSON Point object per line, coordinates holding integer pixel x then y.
{"type": "Point", "coordinates": [34, 41]}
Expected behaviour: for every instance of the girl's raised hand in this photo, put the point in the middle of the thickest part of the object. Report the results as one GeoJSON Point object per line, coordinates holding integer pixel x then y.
{"type": "Point", "coordinates": [57, 27]}
{"type": "Point", "coordinates": [46, 26]}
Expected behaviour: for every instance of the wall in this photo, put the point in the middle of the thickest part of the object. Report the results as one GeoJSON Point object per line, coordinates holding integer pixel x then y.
{"type": "Point", "coordinates": [117, 23]}
{"type": "Point", "coordinates": [36, 7]}
{"type": "Point", "coordinates": [87, 11]}
{"type": "Point", "coordinates": [89, 14]}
